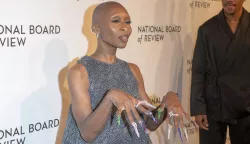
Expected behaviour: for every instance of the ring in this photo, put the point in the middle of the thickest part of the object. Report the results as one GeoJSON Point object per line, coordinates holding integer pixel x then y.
{"type": "Point", "coordinates": [172, 114]}
{"type": "Point", "coordinates": [150, 105]}
{"type": "Point", "coordinates": [145, 103]}
{"type": "Point", "coordinates": [140, 102]}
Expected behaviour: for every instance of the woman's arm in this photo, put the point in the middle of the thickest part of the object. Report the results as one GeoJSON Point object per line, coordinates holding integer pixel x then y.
{"type": "Point", "coordinates": [89, 122]}
{"type": "Point", "coordinates": [151, 125]}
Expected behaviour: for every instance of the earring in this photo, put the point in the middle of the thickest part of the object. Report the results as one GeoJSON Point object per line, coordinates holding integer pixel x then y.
{"type": "Point", "coordinates": [97, 35]}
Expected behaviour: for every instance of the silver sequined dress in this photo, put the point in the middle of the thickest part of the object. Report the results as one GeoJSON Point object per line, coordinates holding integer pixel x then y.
{"type": "Point", "coordinates": [102, 77]}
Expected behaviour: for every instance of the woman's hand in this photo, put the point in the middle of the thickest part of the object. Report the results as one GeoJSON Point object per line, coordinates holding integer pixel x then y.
{"type": "Point", "coordinates": [175, 111]}
{"type": "Point", "coordinates": [126, 102]}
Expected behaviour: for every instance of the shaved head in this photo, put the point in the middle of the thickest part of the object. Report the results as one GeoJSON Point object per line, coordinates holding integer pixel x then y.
{"type": "Point", "coordinates": [102, 9]}
{"type": "Point", "coordinates": [111, 24]}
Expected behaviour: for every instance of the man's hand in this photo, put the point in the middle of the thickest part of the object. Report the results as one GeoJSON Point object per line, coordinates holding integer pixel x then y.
{"type": "Point", "coordinates": [201, 120]}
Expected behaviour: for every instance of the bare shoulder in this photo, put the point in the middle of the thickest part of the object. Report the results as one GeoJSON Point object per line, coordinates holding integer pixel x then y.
{"type": "Point", "coordinates": [78, 87]}
{"type": "Point", "coordinates": [78, 78]}
{"type": "Point", "coordinates": [78, 71]}
{"type": "Point", "coordinates": [134, 68]}
{"type": "Point", "coordinates": [136, 72]}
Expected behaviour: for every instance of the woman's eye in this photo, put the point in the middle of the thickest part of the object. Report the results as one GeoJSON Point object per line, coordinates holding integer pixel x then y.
{"type": "Point", "coordinates": [128, 22]}
{"type": "Point", "coordinates": [115, 21]}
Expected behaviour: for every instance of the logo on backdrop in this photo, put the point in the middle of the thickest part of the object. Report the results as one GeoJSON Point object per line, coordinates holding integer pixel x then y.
{"type": "Point", "coordinates": [155, 100]}
{"type": "Point", "coordinates": [202, 3]}
{"type": "Point", "coordinates": [189, 66]}
{"type": "Point", "coordinates": [156, 33]}
{"type": "Point", "coordinates": [17, 135]}
{"type": "Point", "coordinates": [15, 35]}
{"type": "Point", "coordinates": [190, 128]}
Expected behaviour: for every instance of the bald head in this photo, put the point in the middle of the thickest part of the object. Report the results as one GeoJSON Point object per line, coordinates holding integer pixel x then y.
{"type": "Point", "coordinates": [111, 24]}
{"type": "Point", "coordinates": [103, 9]}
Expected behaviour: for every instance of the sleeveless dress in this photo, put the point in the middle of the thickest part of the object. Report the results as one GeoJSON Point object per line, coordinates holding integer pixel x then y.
{"type": "Point", "coordinates": [102, 77]}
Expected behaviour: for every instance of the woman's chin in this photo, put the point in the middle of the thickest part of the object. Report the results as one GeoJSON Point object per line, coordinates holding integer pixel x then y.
{"type": "Point", "coordinates": [122, 46]}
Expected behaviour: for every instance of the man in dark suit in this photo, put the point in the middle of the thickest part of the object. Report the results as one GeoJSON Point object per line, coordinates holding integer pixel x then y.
{"type": "Point", "coordinates": [220, 89]}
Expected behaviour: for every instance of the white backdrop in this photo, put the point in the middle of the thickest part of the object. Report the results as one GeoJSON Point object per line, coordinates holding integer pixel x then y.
{"type": "Point", "coordinates": [34, 95]}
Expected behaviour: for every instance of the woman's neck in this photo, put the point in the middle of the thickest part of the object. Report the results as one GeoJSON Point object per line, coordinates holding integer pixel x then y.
{"type": "Point", "coordinates": [105, 53]}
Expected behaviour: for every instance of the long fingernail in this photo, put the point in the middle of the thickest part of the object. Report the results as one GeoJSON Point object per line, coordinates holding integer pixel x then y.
{"type": "Point", "coordinates": [136, 130]}
{"type": "Point", "coordinates": [143, 126]}
{"type": "Point", "coordinates": [151, 115]}
{"type": "Point", "coordinates": [169, 130]}
{"type": "Point", "coordinates": [148, 104]}
{"type": "Point", "coordinates": [185, 131]}
{"type": "Point", "coordinates": [153, 118]}
{"type": "Point", "coordinates": [180, 134]}
{"type": "Point", "coordinates": [119, 120]}
{"type": "Point", "coordinates": [148, 113]}
{"type": "Point", "coordinates": [159, 115]}
{"type": "Point", "coordinates": [159, 111]}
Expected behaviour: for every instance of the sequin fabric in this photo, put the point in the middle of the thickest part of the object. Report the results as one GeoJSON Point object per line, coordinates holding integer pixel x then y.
{"type": "Point", "coordinates": [102, 77]}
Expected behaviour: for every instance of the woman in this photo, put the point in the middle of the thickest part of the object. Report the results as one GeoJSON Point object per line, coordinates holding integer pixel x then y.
{"type": "Point", "coordinates": [109, 102]}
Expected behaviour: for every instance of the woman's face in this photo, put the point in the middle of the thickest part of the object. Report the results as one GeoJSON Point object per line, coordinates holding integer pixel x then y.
{"type": "Point", "coordinates": [114, 26]}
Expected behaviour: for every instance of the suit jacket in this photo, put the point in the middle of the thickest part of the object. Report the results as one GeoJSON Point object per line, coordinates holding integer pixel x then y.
{"type": "Point", "coordinates": [220, 84]}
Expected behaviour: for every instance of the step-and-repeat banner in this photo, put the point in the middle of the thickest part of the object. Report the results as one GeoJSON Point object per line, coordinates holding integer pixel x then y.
{"type": "Point", "coordinates": [40, 40]}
